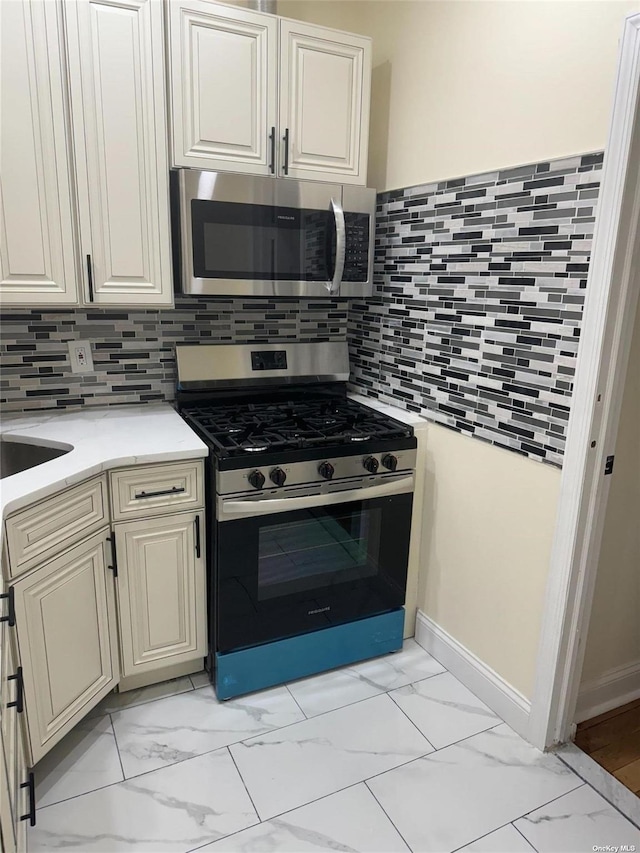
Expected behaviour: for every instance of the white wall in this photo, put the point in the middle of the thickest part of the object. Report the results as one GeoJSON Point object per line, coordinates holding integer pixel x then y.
{"type": "Point", "coordinates": [613, 642]}
{"type": "Point", "coordinates": [466, 86]}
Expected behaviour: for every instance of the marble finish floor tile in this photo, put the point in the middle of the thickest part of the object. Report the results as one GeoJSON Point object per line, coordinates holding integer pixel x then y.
{"type": "Point", "coordinates": [444, 710]}
{"type": "Point", "coordinates": [85, 759]}
{"type": "Point", "coordinates": [320, 756]}
{"type": "Point", "coordinates": [504, 840]}
{"type": "Point", "coordinates": [168, 811]}
{"type": "Point", "coordinates": [119, 701]}
{"type": "Point", "coordinates": [341, 687]}
{"type": "Point", "coordinates": [579, 821]}
{"type": "Point", "coordinates": [462, 792]}
{"type": "Point", "coordinates": [160, 733]}
{"type": "Point", "coordinates": [350, 820]}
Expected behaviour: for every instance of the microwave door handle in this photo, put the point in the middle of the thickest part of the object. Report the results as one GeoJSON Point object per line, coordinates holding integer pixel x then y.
{"type": "Point", "coordinates": [252, 506]}
{"type": "Point", "coordinates": [333, 286]}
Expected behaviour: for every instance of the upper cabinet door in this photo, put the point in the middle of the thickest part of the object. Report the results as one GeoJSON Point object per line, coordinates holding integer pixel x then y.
{"type": "Point", "coordinates": [116, 69]}
{"type": "Point", "coordinates": [325, 81]}
{"type": "Point", "coordinates": [37, 260]}
{"type": "Point", "coordinates": [223, 87]}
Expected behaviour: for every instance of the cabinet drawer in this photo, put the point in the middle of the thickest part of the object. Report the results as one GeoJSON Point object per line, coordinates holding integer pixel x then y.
{"type": "Point", "coordinates": [156, 489]}
{"type": "Point", "coordinates": [44, 529]}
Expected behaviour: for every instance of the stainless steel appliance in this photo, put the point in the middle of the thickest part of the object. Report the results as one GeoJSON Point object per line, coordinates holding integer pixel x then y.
{"type": "Point", "coordinates": [310, 497]}
{"type": "Point", "coordinates": [242, 235]}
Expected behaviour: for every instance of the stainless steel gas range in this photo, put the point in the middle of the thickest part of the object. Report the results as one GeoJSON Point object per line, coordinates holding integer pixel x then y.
{"type": "Point", "coordinates": [309, 498]}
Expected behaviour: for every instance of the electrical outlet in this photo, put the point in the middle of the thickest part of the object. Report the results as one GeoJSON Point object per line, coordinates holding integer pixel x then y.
{"type": "Point", "coordinates": [80, 356]}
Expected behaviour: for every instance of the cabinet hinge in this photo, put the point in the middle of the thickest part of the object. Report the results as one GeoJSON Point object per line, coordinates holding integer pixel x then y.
{"type": "Point", "coordinates": [114, 559]}
{"type": "Point", "coordinates": [608, 465]}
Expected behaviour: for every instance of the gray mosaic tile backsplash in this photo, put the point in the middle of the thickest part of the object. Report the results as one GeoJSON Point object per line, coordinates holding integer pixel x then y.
{"type": "Point", "coordinates": [133, 351]}
{"type": "Point", "coordinates": [480, 284]}
{"type": "Point", "coordinates": [474, 322]}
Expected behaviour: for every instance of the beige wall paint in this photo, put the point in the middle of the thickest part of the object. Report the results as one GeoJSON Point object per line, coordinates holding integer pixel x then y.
{"type": "Point", "coordinates": [614, 630]}
{"type": "Point", "coordinates": [466, 86]}
{"type": "Point", "coordinates": [488, 524]}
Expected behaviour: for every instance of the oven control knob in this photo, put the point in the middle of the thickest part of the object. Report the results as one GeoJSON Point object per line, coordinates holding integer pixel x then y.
{"type": "Point", "coordinates": [370, 464]}
{"type": "Point", "coordinates": [278, 476]}
{"type": "Point", "coordinates": [326, 470]}
{"type": "Point", "coordinates": [390, 461]}
{"type": "Point", "coordinates": [256, 478]}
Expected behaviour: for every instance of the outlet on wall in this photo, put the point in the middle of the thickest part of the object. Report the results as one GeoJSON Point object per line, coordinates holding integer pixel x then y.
{"type": "Point", "coordinates": [80, 356]}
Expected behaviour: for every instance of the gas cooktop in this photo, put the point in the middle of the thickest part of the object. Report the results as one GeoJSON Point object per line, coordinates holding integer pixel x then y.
{"type": "Point", "coordinates": [274, 404]}
{"type": "Point", "coordinates": [248, 428]}
{"type": "Point", "coordinates": [244, 430]}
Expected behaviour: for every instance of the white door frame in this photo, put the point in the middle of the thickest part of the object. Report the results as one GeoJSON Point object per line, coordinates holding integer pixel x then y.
{"type": "Point", "coordinates": [612, 294]}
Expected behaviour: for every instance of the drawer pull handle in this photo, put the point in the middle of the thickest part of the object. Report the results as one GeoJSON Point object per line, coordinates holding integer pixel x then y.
{"type": "Point", "coordinates": [31, 785]}
{"type": "Point", "coordinates": [19, 703]}
{"type": "Point", "coordinates": [11, 608]}
{"type": "Point", "coordinates": [174, 490]}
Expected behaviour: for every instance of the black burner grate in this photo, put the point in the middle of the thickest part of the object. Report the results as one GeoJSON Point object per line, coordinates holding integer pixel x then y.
{"type": "Point", "coordinates": [246, 428]}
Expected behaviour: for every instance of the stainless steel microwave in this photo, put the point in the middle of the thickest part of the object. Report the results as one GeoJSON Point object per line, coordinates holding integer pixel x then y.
{"type": "Point", "coordinates": [237, 235]}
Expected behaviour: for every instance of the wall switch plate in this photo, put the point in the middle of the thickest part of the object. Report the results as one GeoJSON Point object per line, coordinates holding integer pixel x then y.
{"type": "Point", "coordinates": [80, 356]}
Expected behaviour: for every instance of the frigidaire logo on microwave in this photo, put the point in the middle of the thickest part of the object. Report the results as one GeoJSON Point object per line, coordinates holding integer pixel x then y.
{"type": "Point", "coordinates": [290, 218]}
{"type": "Point", "coordinates": [319, 610]}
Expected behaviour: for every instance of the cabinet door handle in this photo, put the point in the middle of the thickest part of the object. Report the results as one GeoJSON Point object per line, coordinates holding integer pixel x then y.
{"type": "Point", "coordinates": [174, 490]}
{"type": "Point", "coordinates": [31, 814]}
{"type": "Point", "coordinates": [272, 140]}
{"type": "Point", "coordinates": [90, 277]}
{"type": "Point", "coordinates": [197, 526]}
{"type": "Point", "coordinates": [19, 702]}
{"type": "Point", "coordinates": [11, 608]}
{"type": "Point", "coordinates": [286, 152]}
{"type": "Point", "coordinates": [114, 558]}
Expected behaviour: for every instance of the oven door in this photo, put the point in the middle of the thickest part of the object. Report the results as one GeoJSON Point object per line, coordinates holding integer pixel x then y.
{"type": "Point", "coordinates": [295, 564]}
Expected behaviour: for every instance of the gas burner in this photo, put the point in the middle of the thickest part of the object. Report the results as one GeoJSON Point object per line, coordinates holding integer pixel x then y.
{"type": "Point", "coordinates": [255, 448]}
{"type": "Point", "coordinates": [354, 437]}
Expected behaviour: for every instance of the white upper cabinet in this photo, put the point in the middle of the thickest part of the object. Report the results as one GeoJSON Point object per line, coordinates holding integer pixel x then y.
{"type": "Point", "coordinates": [116, 70]}
{"type": "Point", "coordinates": [37, 242]}
{"type": "Point", "coordinates": [325, 79]}
{"type": "Point", "coordinates": [223, 87]}
{"type": "Point", "coordinates": [261, 95]}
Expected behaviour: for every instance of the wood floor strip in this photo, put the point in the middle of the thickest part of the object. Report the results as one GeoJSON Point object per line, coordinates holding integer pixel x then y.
{"type": "Point", "coordinates": [630, 775]}
{"type": "Point", "coordinates": [602, 718]}
{"type": "Point", "coordinates": [607, 732]}
{"type": "Point", "coordinates": [620, 752]}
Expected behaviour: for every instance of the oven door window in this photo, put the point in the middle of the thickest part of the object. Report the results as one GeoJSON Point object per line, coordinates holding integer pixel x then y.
{"type": "Point", "coordinates": [254, 241]}
{"type": "Point", "coordinates": [289, 573]}
{"type": "Point", "coordinates": [322, 548]}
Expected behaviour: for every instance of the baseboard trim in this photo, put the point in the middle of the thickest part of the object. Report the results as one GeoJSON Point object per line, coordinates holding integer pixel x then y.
{"type": "Point", "coordinates": [476, 676]}
{"type": "Point", "coordinates": [616, 687]}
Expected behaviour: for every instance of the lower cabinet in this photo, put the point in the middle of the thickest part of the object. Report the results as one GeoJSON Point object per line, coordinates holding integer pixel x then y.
{"type": "Point", "coordinates": [126, 603]}
{"type": "Point", "coordinates": [16, 783]}
{"type": "Point", "coordinates": [161, 591]}
{"type": "Point", "coordinates": [67, 633]}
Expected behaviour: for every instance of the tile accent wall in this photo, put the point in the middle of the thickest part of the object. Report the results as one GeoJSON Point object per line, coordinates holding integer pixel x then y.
{"type": "Point", "coordinates": [476, 314]}
{"type": "Point", "coordinates": [133, 351]}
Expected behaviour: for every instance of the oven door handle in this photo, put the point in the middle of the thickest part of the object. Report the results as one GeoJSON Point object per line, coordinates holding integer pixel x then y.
{"type": "Point", "coordinates": [333, 286]}
{"type": "Point", "coordinates": [249, 506]}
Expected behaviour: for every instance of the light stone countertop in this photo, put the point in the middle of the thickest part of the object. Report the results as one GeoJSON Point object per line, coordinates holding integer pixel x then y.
{"type": "Point", "coordinates": [102, 438]}
{"type": "Point", "coordinates": [411, 418]}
